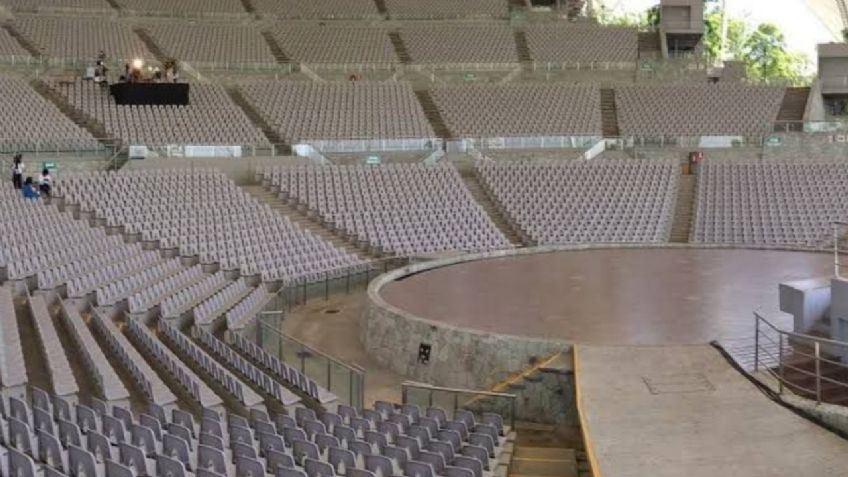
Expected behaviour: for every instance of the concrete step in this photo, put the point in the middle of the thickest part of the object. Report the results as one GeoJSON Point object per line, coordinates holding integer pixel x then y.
{"type": "Point", "coordinates": [492, 210]}
{"type": "Point", "coordinates": [546, 453]}
{"type": "Point", "coordinates": [543, 468]}
{"type": "Point", "coordinates": [302, 220]}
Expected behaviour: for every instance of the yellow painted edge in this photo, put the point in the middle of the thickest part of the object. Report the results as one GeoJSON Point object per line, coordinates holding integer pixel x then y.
{"type": "Point", "coordinates": [523, 374]}
{"type": "Point", "coordinates": [584, 429]}
{"type": "Point", "coordinates": [501, 386]}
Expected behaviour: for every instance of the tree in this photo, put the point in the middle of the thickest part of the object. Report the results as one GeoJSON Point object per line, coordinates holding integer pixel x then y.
{"type": "Point", "coordinates": [767, 57]}
{"type": "Point", "coordinates": [737, 32]}
{"type": "Point", "coordinates": [648, 20]}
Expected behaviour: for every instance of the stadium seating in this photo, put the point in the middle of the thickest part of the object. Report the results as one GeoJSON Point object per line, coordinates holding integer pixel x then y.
{"type": "Point", "coordinates": [520, 110]}
{"type": "Point", "coordinates": [460, 43]}
{"type": "Point", "coordinates": [553, 202]}
{"type": "Point", "coordinates": [697, 109]}
{"type": "Point", "coordinates": [447, 9]}
{"type": "Point", "coordinates": [301, 111]}
{"type": "Point", "coordinates": [335, 45]}
{"type": "Point", "coordinates": [211, 118]}
{"type": "Point", "coordinates": [81, 38]}
{"type": "Point", "coordinates": [325, 9]}
{"type": "Point", "coordinates": [769, 202]}
{"type": "Point", "coordinates": [582, 43]}
{"type": "Point", "coordinates": [387, 440]}
{"type": "Point", "coordinates": [203, 213]}
{"type": "Point", "coordinates": [184, 7]}
{"type": "Point", "coordinates": [212, 44]}
{"type": "Point", "coordinates": [9, 47]}
{"type": "Point", "coordinates": [13, 374]}
{"type": "Point", "coordinates": [36, 121]}
{"type": "Point", "coordinates": [57, 5]}
{"type": "Point", "coordinates": [399, 210]}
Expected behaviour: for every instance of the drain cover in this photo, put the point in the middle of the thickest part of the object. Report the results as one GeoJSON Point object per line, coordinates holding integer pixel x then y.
{"type": "Point", "coordinates": [678, 383]}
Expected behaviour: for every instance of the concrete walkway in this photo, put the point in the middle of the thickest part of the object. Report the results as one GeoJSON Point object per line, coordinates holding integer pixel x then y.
{"type": "Point", "coordinates": [683, 411]}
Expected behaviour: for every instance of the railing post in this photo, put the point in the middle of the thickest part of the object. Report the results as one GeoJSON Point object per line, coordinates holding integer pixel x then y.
{"type": "Point", "coordinates": [350, 388]}
{"type": "Point", "coordinates": [780, 361]}
{"type": "Point", "coordinates": [756, 343]}
{"type": "Point", "coordinates": [403, 394]}
{"type": "Point", "coordinates": [512, 413]}
{"type": "Point", "coordinates": [329, 375]}
{"type": "Point", "coordinates": [818, 372]}
{"type": "Point", "coordinates": [455, 402]}
{"type": "Point", "coordinates": [326, 286]}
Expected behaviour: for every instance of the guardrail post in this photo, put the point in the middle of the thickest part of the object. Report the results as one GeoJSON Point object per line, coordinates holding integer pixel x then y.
{"type": "Point", "coordinates": [818, 372]}
{"type": "Point", "coordinates": [780, 362]}
{"type": "Point", "coordinates": [329, 375]}
{"type": "Point", "coordinates": [512, 413]}
{"type": "Point", "coordinates": [455, 402]}
{"type": "Point", "coordinates": [403, 391]}
{"type": "Point", "coordinates": [326, 286]}
{"type": "Point", "coordinates": [756, 343]}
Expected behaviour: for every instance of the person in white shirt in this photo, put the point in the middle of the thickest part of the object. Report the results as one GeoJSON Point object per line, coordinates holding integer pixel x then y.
{"type": "Point", "coordinates": [45, 182]}
{"type": "Point", "coordinates": [18, 172]}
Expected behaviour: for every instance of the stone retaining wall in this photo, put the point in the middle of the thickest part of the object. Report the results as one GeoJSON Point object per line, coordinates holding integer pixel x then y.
{"type": "Point", "coordinates": [462, 357]}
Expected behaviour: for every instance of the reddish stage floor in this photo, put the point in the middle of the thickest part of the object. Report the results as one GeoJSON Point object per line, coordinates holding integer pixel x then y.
{"type": "Point", "coordinates": [618, 296]}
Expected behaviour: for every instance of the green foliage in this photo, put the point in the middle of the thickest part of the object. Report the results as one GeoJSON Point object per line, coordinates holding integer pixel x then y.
{"type": "Point", "coordinates": [845, 35]}
{"type": "Point", "coordinates": [648, 20]}
{"type": "Point", "coordinates": [763, 49]}
{"type": "Point", "coordinates": [767, 58]}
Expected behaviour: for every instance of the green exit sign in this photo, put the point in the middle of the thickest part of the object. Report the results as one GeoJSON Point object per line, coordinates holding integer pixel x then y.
{"type": "Point", "coordinates": [50, 165]}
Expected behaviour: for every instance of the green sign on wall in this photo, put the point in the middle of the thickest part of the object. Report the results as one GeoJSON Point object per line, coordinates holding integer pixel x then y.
{"type": "Point", "coordinates": [51, 166]}
{"type": "Point", "coordinates": [774, 141]}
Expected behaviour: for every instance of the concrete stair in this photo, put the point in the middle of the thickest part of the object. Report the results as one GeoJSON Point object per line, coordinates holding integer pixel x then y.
{"type": "Point", "coordinates": [682, 222]}
{"type": "Point", "coordinates": [275, 48]}
{"type": "Point", "coordinates": [791, 114]}
{"type": "Point", "coordinates": [151, 45]}
{"type": "Point", "coordinates": [235, 94]}
{"type": "Point", "coordinates": [248, 6]}
{"type": "Point", "coordinates": [434, 116]}
{"type": "Point", "coordinates": [544, 462]}
{"type": "Point", "coordinates": [400, 47]}
{"type": "Point", "coordinates": [522, 47]}
{"type": "Point", "coordinates": [609, 113]}
{"type": "Point", "coordinates": [304, 220]}
{"type": "Point", "coordinates": [22, 40]}
{"type": "Point", "coordinates": [472, 183]}
{"type": "Point", "coordinates": [649, 45]}
{"type": "Point", "coordinates": [81, 119]}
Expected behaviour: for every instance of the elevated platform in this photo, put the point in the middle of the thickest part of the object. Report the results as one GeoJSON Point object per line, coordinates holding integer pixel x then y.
{"type": "Point", "coordinates": [682, 410]}
{"type": "Point", "coordinates": [150, 93]}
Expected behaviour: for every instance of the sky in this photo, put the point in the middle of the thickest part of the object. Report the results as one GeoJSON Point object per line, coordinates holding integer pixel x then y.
{"type": "Point", "coordinates": [796, 18]}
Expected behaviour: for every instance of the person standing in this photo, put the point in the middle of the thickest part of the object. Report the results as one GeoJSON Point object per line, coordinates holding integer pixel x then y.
{"type": "Point", "coordinates": [17, 172]}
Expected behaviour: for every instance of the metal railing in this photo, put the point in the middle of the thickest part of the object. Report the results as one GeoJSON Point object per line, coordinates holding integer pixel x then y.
{"type": "Point", "coordinates": [345, 380]}
{"type": "Point", "coordinates": [426, 395]}
{"type": "Point", "coordinates": [805, 364]}
{"type": "Point", "coordinates": [840, 238]}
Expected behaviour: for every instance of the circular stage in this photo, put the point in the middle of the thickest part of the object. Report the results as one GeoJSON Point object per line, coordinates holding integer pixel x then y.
{"type": "Point", "coordinates": [633, 296]}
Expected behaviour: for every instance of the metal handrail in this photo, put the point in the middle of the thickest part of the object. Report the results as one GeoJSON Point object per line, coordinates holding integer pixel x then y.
{"type": "Point", "coordinates": [790, 337]}
{"type": "Point", "coordinates": [407, 385]}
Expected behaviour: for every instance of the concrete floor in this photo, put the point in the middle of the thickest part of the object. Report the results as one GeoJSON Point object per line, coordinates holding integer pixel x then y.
{"type": "Point", "coordinates": [617, 296]}
{"type": "Point", "coordinates": [682, 411]}
{"type": "Point", "coordinates": [338, 334]}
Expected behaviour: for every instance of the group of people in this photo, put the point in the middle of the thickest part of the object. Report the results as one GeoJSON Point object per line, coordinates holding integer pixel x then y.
{"type": "Point", "coordinates": [27, 186]}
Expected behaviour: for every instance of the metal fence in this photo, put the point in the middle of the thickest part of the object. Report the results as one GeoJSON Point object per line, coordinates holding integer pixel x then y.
{"type": "Point", "coordinates": [479, 402]}
{"type": "Point", "coordinates": [345, 380]}
{"type": "Point", "coordinates": [809, 366]}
